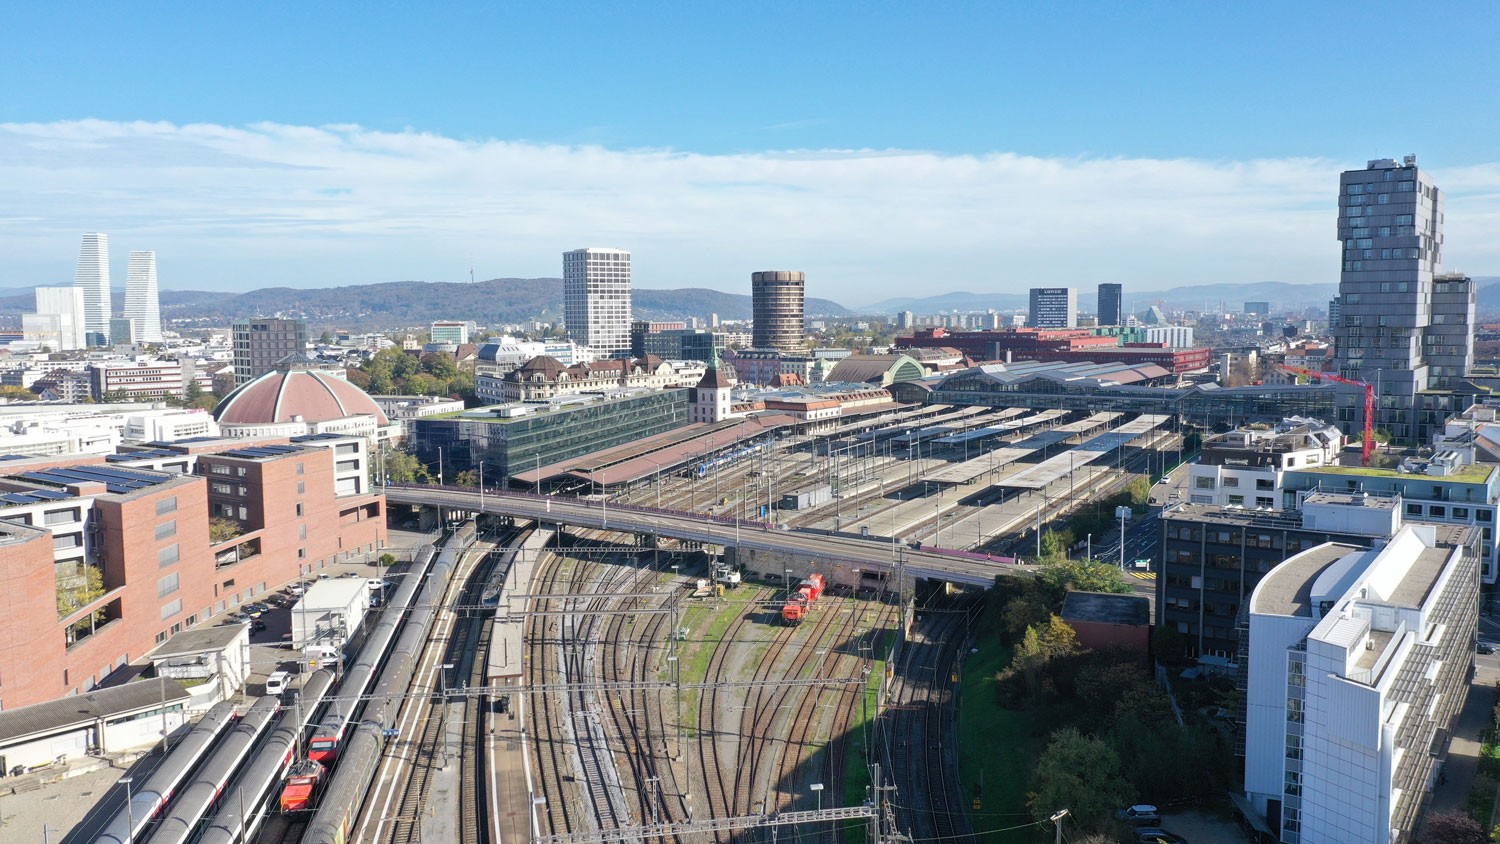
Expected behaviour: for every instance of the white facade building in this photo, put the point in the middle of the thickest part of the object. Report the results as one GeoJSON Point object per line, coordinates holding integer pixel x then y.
{"type": "Point", "coordinates": [92, 277]}
{"type": "Point", "coordinates": [1246, 467]}
{"type": "Point", "coordinates": [1172, 336]}
{"type": "Point", "coordinates": [596, 299]}
{"type": "Point", "coordinates": [1358, 663]}
{"type": "Point", "coordinates": [59, 319]}
{"type": "Point", "coordinates": [142, 302]}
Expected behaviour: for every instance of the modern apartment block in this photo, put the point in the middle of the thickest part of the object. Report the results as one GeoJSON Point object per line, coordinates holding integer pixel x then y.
{"type": "Point", "coordinates": [142, 300]}
{"type": "Point", "coordinates": [92, 277]}
{"type": "Point", "coordinates": [1245, 467]}
{"type": "Point", "coordinates": [1214, 557]}
{"type": "Point", "coordinates": [104, 558]}
{"type": "Point", "coordinates": [260, 344]}
{"type": "Point", "coordinates": [1111, 304]}
{"type": "Point", "coordinates": [1359, 662]}
{"type": "Point", "coordinates": [596, 299]}
{"type": "Point", "coordinates": [1402, 327]}
{"type": "Point", "coordinates": [776, 310]}
{"type": "Point", "coordinates": [1053, 307]}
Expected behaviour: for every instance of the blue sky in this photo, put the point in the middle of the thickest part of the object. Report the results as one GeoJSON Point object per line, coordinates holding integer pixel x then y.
{"type": "Point", "coordinates": [724, 136]}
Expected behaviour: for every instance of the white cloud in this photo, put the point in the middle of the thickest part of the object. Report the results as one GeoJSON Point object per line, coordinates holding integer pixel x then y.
{"type": "Point", "coordinates": [236, 207]}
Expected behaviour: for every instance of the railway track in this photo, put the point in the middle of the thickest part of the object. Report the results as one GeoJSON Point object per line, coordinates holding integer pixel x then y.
{"type": "Point", "coordinates": [397, 802]}
{"type": "Point", "coordinates": [928, 803]}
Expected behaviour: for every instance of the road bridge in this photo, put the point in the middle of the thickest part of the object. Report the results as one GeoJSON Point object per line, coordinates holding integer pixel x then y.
{"type": "Point", "coordinates": [873, 552]}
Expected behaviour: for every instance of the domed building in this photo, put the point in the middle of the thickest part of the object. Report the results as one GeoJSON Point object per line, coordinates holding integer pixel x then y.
{"type": "Point", "coordinates": [297, 398]}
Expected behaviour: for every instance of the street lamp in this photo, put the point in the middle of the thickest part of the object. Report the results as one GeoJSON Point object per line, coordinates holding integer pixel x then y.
{"type": "Point", "coordinates": [129, 810]}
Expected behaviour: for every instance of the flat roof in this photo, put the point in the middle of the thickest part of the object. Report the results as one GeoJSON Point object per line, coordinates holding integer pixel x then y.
{"type": "Point", "coordinates": [87, 708]}
{"type": "Point", "coordinates": [1473, 474]}
{"type": "Point", "coordinates": [634, 468]}
{"type": "Point", "coordinates": [1421, 577]}
{"type": "Point", "coordinates": [1107, 608]}
{"type": "Point", "coordinates": [199, 640]}
{"type": "Point", "coordinates": [1062, 465]}
{"type": "Point", "coordinates": [335, 593]}
{"type": "Point", "coordinates": [1287, 588]}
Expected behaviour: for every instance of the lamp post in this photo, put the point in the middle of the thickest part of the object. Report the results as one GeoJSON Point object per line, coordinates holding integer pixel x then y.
{"type": "Point", "coordinates": [817, 788]}
{"type": "Point", "coordinates": [129, 810]}
{"type": "Point", "coordinates": [1123, 513]}
{"type": "Point", "coordinates": [657, 483]}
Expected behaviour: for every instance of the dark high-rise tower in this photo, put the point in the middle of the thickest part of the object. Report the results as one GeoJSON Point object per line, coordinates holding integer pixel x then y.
{"type": "Point", "coordinates": [776, 308]}
{"type": "Point", "coordinates": [1111, 298]}
{"type": "Point", "coordinates": [1402, 327]}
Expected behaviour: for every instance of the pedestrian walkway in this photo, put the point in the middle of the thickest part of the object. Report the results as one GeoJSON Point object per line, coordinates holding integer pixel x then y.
{"type": "Point", "coordinates": [1452, 791]}
{"type": "Point", "coordinates": [1143, 575]}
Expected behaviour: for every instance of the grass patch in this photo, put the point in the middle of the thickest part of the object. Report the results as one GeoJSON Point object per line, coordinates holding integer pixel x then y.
{"type": "Point", "coordinates": [856, 773]}
{"type": "Point", "coordinates": [996, 743]}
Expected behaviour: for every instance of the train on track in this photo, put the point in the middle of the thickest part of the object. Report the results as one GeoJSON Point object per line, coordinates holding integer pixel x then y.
{"type": "Point", "coordinates": [149, 798]}
{"type": "Point", "coordinates": [323, 746]}
{"type": "Point", "coordinates": [359, 747]}
{"type": "Point", "coordinates": [729, 458]}
{"type": "Point", "coordinates": [800, 602]}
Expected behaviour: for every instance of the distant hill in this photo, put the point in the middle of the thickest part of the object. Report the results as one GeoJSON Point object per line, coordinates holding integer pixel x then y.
{"type": "Point", "coordinates": [407, 303]}
{"type": "Point", "coordinates": [1280, 294]}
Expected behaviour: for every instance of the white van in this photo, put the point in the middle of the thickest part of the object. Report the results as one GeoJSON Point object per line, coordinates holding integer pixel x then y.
{"type": "Point", "coordinates": [277, 682]}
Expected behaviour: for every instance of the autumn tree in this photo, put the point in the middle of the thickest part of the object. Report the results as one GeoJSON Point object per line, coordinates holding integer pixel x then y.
{"type": "Point", "coordinates": [1081, 773]}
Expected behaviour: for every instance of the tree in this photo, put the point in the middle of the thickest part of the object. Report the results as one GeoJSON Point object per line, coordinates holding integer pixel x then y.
{"type": "Point", "coordinates": [10, 391]}
{"type": "Point", "coordinates": [1083, 576]}
{"type": "Point", "coordinates": [1081, 773]}
{"type": "Point", "coordinates": [77, 591]}
{"type": "Point", "coordinates": [1452, 828]}
{"type": "Point", "coordinates": [403, 467]}
{"type": "Point", "coordinates": [1054, 546]}
{"type": "Point", "coordinates": [221, 529]}
{"type": "Point", "coordinates": [468, 477]}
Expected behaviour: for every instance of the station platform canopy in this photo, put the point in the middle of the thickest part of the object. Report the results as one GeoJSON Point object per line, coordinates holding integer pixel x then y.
{"type": "Point", "coordinates": [1060, 466]}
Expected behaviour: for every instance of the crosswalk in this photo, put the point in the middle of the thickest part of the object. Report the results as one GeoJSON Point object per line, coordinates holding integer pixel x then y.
{"type": "Point", "coordinates": [1143, 575]}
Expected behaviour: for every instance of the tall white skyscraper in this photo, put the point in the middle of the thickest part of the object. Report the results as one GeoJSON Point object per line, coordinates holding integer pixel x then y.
{"type": "Point", "coordinates": [93, 278]}
{"type": "Point", "coordinates": [142, 304]}
{"type": "Point", "coordinates": [596, 299]}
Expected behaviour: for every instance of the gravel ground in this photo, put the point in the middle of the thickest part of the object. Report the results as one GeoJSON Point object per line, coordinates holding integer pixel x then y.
{"type": "Point", "coordinates": [58, 806]}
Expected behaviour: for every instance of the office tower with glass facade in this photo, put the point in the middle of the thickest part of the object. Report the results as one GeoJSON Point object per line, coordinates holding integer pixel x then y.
{"type": "Point", "coordinates": [1054, 307]}
{"type": "Point", "coordinates": [1111, 298]}
{"type": "Point", "coordinates": [260, 344]}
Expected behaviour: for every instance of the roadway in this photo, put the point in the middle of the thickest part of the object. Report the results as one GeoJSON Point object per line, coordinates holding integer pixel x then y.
{"type": "Point", "coordinates": [875, 551]}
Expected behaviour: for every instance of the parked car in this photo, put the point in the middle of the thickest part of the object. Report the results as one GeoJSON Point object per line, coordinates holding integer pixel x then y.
{"type": "Point", "coordinates": [257, 625]}
{"type": "Point", "coordinates": [1141, 814]}
{"type": "Point", "coordinates": [1484, 648]}
{"type": "Point", "coordinates": [1157, 835]}
{"type": "Point", "coordinates": [296, 590]}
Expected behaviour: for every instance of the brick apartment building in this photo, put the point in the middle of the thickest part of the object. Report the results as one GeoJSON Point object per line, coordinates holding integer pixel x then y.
{"type": "Point", "coordinates": [104, 558]}
{"type": "Point", "coordinates": [1064, 344]}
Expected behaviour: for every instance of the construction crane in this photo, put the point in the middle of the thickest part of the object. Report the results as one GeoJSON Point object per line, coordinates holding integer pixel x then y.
{"type": "Point", "coordinates": [1368, 446]}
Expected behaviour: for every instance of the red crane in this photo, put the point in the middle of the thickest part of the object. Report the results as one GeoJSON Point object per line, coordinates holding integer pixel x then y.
{"type": "Point", "coordinates": [1368, 446]}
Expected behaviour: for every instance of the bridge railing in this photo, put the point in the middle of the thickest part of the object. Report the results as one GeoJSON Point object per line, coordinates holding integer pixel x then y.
{"type": "Point", "coordinates": [718, 520]}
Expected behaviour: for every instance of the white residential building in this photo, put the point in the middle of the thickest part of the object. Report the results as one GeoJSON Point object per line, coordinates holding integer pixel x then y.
{"type": "Point", "coordinates": [142, 302]}
{"type": "Point", "coordinates": [1246, 467]}
{"type": "Point", "coordinates": [596, 299]}
{"type": "Point", "coordinates": [92, 277]}
{"type": "Point", "coordinates": [1358, 663]}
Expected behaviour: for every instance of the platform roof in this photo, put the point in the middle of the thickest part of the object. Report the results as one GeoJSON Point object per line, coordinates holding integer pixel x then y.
{"type": "Point", "coordinates": [1060, 466]}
